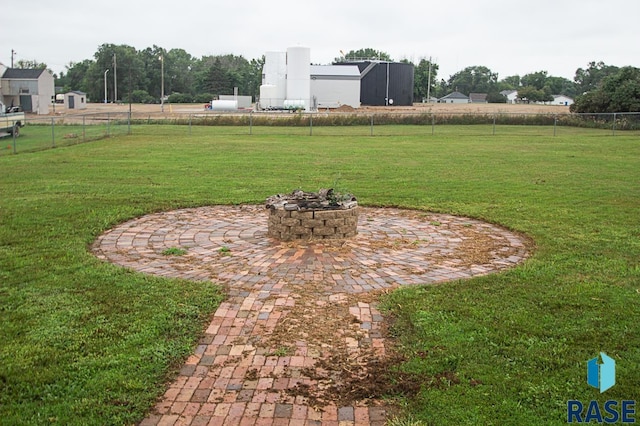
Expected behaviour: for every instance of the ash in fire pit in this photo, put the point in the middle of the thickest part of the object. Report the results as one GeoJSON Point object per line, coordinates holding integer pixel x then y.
{"type": "Point", "coordinates": [312, 215]}
{"type": "Point", "coordinates": [323, 199]}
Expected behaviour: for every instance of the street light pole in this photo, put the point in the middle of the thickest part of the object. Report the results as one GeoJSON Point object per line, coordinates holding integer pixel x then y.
{"type": "Point", "coordinates": [105, 86]}
{"type": "Point", "coordinates": [162, 83]}
{"type": "Point", "coordinates": [115, 80]}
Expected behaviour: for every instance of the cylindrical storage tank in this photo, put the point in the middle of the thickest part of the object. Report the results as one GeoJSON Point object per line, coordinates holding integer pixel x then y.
{"type": "Point", "coordinates": [299, 74]}
{"type": "Point", "coordinates": [274, 73]}
{"type": "Point", "coordinates": [268, 96]}
{"type": "Point", "coordinates": [224, 105]}
{"type": "Point", "coordinates": [295, 104]}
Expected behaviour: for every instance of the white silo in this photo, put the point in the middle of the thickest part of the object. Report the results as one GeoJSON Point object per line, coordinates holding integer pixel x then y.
{"type": "Point", "coordinates": [274, 78]}
{"type": "Point", "coordinates": [299, 76]}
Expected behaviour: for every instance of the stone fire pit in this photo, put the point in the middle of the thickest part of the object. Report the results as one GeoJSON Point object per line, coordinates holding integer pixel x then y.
{"type": "Point", "coordinates": [312, 215]}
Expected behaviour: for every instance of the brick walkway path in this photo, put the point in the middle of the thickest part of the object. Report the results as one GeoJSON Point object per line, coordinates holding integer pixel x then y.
{"type": "Point", "coordinates": [298, 314]}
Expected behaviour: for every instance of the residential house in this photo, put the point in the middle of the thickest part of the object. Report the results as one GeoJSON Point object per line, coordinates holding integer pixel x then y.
{"type": "Point", "coordinates": [562, 100]}
{"type": "Point", "coordinates": [454, 98]}
{"type": "Point", "coordinates": [511, 95]}
{"type": "Point", "coordinates": [478, 98]}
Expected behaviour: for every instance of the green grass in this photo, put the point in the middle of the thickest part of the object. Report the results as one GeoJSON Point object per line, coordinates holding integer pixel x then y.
{"type": "Point", "coordinates": [84, 342]}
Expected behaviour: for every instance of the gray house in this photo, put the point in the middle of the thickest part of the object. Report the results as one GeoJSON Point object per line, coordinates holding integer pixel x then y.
{"type": "Point", "coordinates": [454, 98]}
{"type": "Point", "coordinates": [33, 89]}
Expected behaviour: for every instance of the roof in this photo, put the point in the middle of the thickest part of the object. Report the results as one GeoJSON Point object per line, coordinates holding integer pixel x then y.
{"type": "Point", "coordinates": [76, 92]}
{"type": "Point", "coordinates": [508, 92]}
{"type": "Point", "coordinates": [24, 74]}
{"type": "Point", "coordinates": [455, 95]}
{"type": "Point", "coordinates": [478, 97]}
{"type": "Point", "coordinates": [349, 71]}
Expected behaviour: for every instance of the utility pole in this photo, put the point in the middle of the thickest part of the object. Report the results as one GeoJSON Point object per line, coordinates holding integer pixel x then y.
{"type": "Point", "coordinates": [115, 80]}
{"type": "Point", "coordinates": [13, 53]}
{"type": "Point", "coordinates": [162, 83]}
{"type": "Point", "coordinates": [105, 86]}
{"type": "Point", "coordinates": [429, 83]}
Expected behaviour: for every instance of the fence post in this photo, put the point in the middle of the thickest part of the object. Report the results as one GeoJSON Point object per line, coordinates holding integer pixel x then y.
{"type": "Point", "coordinates": [53, 134]}
{"type": "Point", "coordinates": [371, 131]}
{"type": "Point", "coordinates": [84, 129]}
{"type": "Point", "coordinates": [494, 124]}
{"type": "Point", "coordinates": [190, 118]}
{"type": "Point", "coordinates": [555, 124]}
{"type": "Point", "coordinates": [251, 123]}
{"type": "Point", "coordinates": [129, 121]}
{"type": "Point", "coordinates": [614, 124]}
{"type": "Point", "coordinates": [108, 125]}
{"type": "Point", "coordinates": [15, 149]}
{"type": "Point", "coordinates": [433, 124]}
{"type": "Point", "coordinates": [310, 124]}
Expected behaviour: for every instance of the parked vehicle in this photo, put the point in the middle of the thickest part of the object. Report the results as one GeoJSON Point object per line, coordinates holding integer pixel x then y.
{"type": "Point", "coordinates": [11, 120]}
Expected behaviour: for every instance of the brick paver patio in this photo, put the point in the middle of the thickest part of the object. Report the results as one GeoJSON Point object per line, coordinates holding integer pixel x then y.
{"type": "Point", "coordinates": [269, 355]}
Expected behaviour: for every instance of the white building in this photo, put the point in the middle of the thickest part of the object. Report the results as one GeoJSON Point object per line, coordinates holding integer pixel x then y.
{"type": "Point", "coordinates": [454, 98]}
{"type": "Point", "coordinates": [75, 100]}
{"type": "Point", "coordinates": [290, 81]}
{"type": "Point", "coordinates": [335, 85]}
{"type": "Point", "coordinates": [511, 95]}
{"type": "Point", "coordinates": [33, 89]}
{"type": "Point", "coordinates": [562, 100]}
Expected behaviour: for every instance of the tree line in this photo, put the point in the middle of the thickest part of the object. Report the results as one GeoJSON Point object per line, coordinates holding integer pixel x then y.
{"type": "Point", "coordinates": [140, 75]}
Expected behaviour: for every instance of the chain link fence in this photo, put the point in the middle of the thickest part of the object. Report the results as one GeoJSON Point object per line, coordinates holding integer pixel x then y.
{"type": "Point", "coordinates": [51, 132]}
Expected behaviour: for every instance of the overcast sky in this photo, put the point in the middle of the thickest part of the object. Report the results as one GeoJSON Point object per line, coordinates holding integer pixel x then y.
{"type": "Point", "coordinates": [508, 36]}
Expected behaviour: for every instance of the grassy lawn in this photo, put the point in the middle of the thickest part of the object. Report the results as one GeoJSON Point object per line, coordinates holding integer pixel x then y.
{"type": "Point", "coordinates": [83, 342]}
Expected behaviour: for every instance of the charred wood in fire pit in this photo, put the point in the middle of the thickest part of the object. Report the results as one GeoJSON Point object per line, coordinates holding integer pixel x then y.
{"type": "Point", "coordinates": [323, 199]}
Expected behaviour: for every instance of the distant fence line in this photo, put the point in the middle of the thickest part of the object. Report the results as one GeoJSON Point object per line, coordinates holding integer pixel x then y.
{"type": "Point", "coordinates": [49, 132]}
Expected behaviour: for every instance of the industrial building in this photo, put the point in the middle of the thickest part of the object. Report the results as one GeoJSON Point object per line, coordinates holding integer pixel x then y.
{"type": "Point", "coordinates": [32, 89]}
{"type": "Point", "coordinates": [384, 83]}
{"type": "Point", "coordinates": [289, 81]}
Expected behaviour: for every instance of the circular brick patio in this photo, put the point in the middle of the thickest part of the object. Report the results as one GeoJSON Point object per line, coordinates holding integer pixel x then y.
{"type": "Point", "coordinates": [257, 353]}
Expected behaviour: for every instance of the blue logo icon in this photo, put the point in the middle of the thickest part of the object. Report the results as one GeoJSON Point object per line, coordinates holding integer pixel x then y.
{"type": "Point", "coordinates": [601, 375]}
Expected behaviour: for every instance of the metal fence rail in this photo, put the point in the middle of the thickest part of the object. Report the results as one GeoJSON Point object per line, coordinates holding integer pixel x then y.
{"type": "Point", "coordinates": [51, 132]}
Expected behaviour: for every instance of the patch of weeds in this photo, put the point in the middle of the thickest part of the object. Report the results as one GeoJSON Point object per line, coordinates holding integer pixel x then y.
{"type": "Point", "coordinates": [435, 223]}
{"type": "Point", "coordinates": [281, 351]}
{"type": "Point", "coordinates": [224, 251]}
{"type": "Point", "coordinates": [405, 421]}
{"type": "Point", "coordinates": [174, 251]}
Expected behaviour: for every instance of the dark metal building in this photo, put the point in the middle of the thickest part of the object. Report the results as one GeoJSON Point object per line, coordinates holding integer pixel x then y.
{"type": "Point", "coordinates": [385, 83]}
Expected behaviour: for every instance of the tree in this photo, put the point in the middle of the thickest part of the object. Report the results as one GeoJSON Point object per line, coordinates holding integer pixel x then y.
{"type": "Point", "coordinates": [365, 54]}
{"type": "Point", "coordinates": [76, 76]}
{"type": "Point", "coordinates": [215, 79]}
{"type": "Point", "coordinates": [591, 77]}
{"type": "Point", "coordinates": [424, 87]}
{"type": "Point", "coordinates": [475, 79]}
{"type": "Point", "coordinates": [550, 85]}
{"type": "Point", "coordinates": [130, 72]}
{"type": "Point", "coordinates": [531, 94]}
{"type": "Point", "coordinates": [30, 64]}
{"type": "Point", "coordinates": [178, 67]}
{"type": "Point", "coordinates": [619, 92]}
{"type": "Point", "coordinates": [510, 83]}
{"type": "Point", "coordinates": [536, 80]}
{"type": "Point", "coordinates": [561, 86]}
